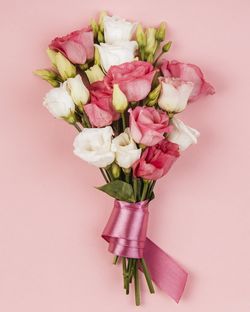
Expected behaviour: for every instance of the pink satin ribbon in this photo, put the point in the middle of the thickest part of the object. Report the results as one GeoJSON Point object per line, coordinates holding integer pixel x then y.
{"type": "Point", "coordinates": [126, 233]}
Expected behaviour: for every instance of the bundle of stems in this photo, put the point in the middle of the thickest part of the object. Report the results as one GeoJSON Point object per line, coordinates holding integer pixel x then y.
{"type": "Point", "coordinates": [131, 267]}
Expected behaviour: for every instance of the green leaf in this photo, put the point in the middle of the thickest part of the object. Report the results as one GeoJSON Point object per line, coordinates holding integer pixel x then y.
{"type": "Point", "coordinates": [119, 190]}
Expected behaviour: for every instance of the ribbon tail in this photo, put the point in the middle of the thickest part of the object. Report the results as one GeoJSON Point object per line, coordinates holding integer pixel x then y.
{"type": "Point", "coordinates": [165, 272]}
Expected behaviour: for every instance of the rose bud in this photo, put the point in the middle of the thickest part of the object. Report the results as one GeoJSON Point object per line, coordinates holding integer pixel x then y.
{"type": "Point", "coordinates": [48, 75]}
{"type": "Point", "coordinates": [151, 41]}
{"type": "Point", "coordinates": [94, 27]}
{"type": "Point", "coordinates": [77, 90]}
{"type": "Point", "coordinates": [97, 57]}
{"type": "Point", "coordinates": [52, 56]}
{"type": "Point", "coordinates": [161, 32]}
{"type": "Point", "coordinates": [94, 74]}
{"type": "Point", "coordinates": [100, 37]}
{"type": "Point", "coordinates": [103, 14]}
{"type": "Point", "coordinates": [167, 46]}
{"type": "Point", "coordinates": [119, 99]}
{"type": "Point", "coordinates": [153, 96]}
{"type": "Point", "coordinates": [60, 104]}
{"type": "Point", "coordinates": [141, 36]}
{"type": "Point", "coordinates": [64, 67]}
{"type": "Point", "coordinates": [116, 170]}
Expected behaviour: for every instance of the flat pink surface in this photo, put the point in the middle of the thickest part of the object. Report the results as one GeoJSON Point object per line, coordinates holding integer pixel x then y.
{"type": "Point", "coordinates": [51, 255]}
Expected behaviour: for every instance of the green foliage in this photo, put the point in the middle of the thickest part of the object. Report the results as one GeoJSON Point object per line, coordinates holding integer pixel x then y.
{"type": "Point", "coordinates": [119, 190]}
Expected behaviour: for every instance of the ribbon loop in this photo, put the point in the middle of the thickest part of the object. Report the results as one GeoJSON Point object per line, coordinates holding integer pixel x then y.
{"type": "Point", "coordinates": [127, 228]}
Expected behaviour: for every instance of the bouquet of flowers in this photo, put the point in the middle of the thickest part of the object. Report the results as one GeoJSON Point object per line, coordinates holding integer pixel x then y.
{"type": "Point", "coordinates": [113, 83]}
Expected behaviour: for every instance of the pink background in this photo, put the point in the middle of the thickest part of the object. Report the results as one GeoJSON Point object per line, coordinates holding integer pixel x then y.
{"type": "Point", "coordinates": [51, 255]}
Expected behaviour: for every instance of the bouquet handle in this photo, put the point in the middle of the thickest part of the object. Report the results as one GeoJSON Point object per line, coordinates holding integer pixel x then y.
{"type": "Point", "coordinates": [126, 234]}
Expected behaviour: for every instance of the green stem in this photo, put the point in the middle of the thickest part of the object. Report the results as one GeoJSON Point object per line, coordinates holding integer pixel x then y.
{"type": "Point", "coordinates": [158, 57]}
{"type": "Point", "coordinates": [147, 276]}
{"type": "Point", "coordinates": [127, 275]}
{"type": "Point", "coordinates": [127, 173]}
{"type": "Point", "coordinates": [124, 272]}
{"type": "Point", "coordinates": [116, 258]}
{"type": "Point", "coordinates": [123, 121]}
{"type": "Point", "coordinates": [77, 127]}
{"type": "Point", "coordinates": [104, 174]}
{"type": "Point", "coordinates": [132, 268]}
{"type": "Point", "coordinates": [86, 119]}
{"type": "Point", "coordinates": [116, 127]}
{"type": "Point", "coordinates": [137, 285]}
{"type": "Point", "coordinates": [151, 188]}
{"type": "Point", "coordinates": [135, 186]}
{"type": "Point", "coordinates": [130, 265]}
{"type": "Point", "coordinates": [139, 186]}
{"type": "Point", "coordinates": [109, 173]}
{"type": "Point", "coordinates": [127, 177]}
{"type": "Point", "coordinates": [78, 113]}
{"type": "Point", "coordinates": [145, 189]}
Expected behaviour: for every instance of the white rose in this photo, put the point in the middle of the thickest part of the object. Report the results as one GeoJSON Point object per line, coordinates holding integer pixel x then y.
{"type": "Point", "coordinates": [126, 151]}
{"type": "Point", "coordinates": [94, 146]}
{"type": "Point", "coordinates": [174, 94]}
{"type": "Point", "coordinates": [117, 30]}
{"type": "Point", "coordinates": [116, 54]}
{"type": "Point", "coordinates": [77, 90]}
{"type": "Point", "coordinates": [59, 102]}
{"type": "Point", "coordinates": [182, 135]}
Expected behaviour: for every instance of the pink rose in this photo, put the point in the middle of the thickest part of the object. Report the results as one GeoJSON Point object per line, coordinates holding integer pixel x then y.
{"type": "Point", "coordinates": [188, 72]}
{"type": "Point", "coordinates": [134, 79]}
{"type": "Point", "coordinates": [156, 160]}
{"type": "Point", "coordinates": [100, 110]}
{"type": "Point", "coordinates": [148, 125]}
{"type": "Point", "coordinates": [78, 46]}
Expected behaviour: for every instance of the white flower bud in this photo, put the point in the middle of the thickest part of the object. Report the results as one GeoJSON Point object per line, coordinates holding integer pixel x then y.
{"type": "Point", "coordinates": [77, 90]}
{"type": "Point", "coordinates": [119, 99]}
{"type": "Point", "coordinates": [94, 74]}
{"type": "Point", "coordinates": [65, 68]}
{"type": "Point", "coordinates": [59, 103]}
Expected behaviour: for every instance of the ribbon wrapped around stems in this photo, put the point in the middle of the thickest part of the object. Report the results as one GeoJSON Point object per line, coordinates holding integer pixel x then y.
{"type": "Point", "coordinates": [126, 232]}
